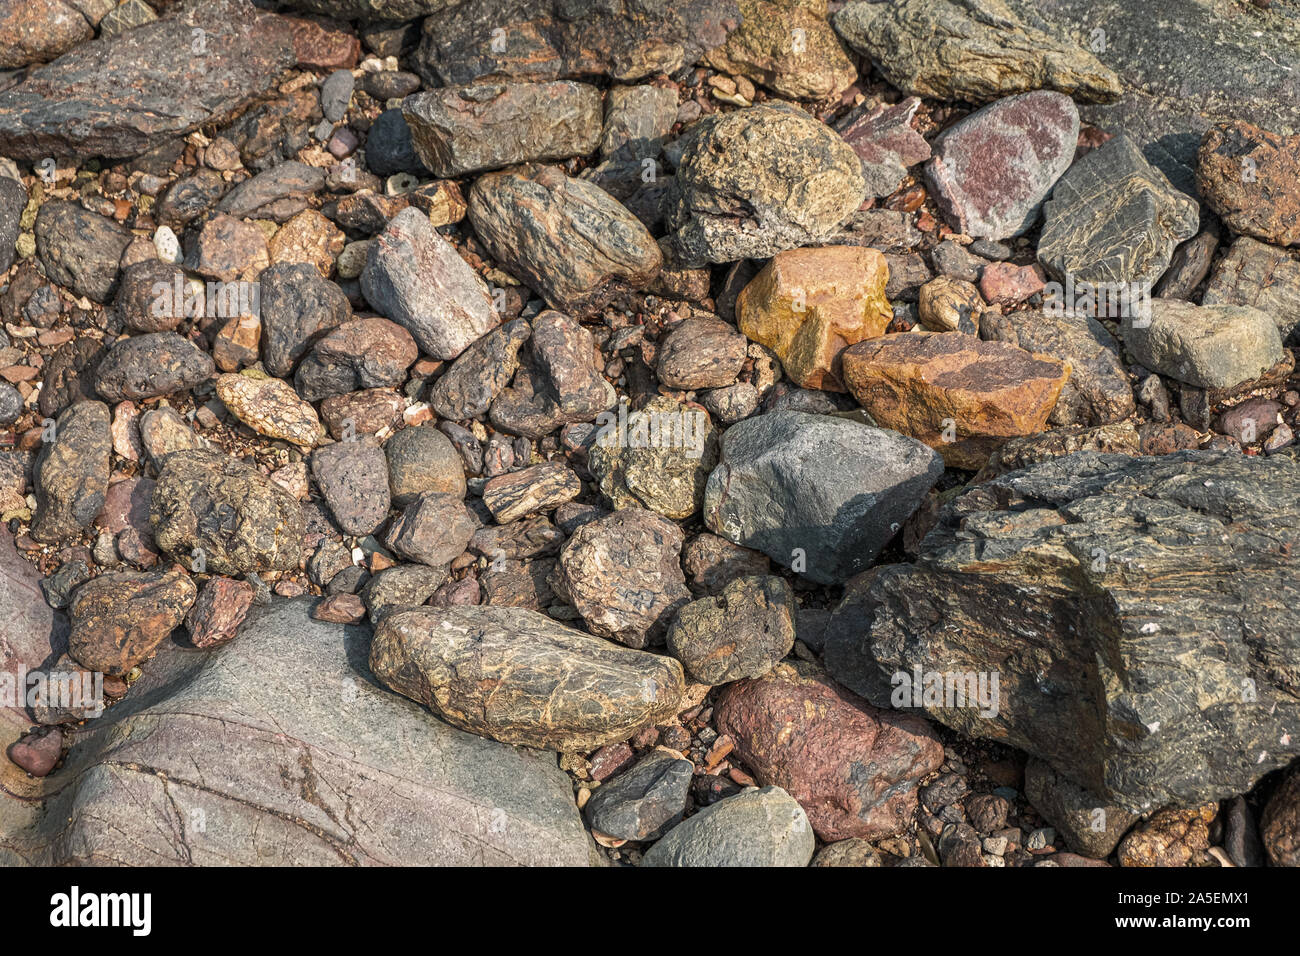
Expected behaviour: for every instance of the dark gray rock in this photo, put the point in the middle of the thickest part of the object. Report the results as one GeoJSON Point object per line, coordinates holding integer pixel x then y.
{"type": "Point", "coordinates": [71, 474]}
{"type": "Point", "coordinates": [13, 200]}
{"type": "Point", "coordinates": [298, 305]}
{"type": "Point", "coordinates": [740, 633]}
{"type": "Point", "coordinates": [480, 373]}
{"type": "Point", "coordinates": [369, 352]}
{"type": "Point", "coordinates": [80, 249]}
{"type": "Point", "coordinates": [754, 828]}
{"type": "Point", "coordinates": [353, 477]}
{"type": "Point", "coordinates": [407, 585]}
{"type": "Point", "coordinates": [1091, 826]}
{"type": "Point", "coordinates": [642, 803]}
{"type": "Point", "coordinates": [422, 460]}
{"type": "Point", "coordinates": [146, 366]}
{"type": "Point", "coordinates": [290, 181]}
{"type": "Point", "coordinates": [433, 529]}
{"type": "Point", "coordinates": [389, 148]}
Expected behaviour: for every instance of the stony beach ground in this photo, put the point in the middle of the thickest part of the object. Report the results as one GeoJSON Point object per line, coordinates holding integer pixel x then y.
{"type": "Point", "coordinates": [589, 432]}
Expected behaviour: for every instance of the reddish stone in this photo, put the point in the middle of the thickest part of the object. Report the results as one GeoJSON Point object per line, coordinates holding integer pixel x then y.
{"type": "Point", "coordinates": [219, 611]}
{"type": "Point", "coordinates": [340, 609]}
{"type": "Point", "coordinates": [320, 43]}
{"type": "Point", "coordinates": [1003, 283]}
{"type": "Point", "coordinates": [39, 751]}
{"type": "Point", "coordinates": [126, 505]}
{"type": "Point", "coordinates": [609, 760]}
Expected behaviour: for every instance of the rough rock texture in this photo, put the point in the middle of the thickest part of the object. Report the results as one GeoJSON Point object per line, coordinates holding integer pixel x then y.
{"type": "Point", "coordinates": [297, 306]}
{"type": "Point", "coordinates": [1249, 177]}
{"type": "Point", "coordinates": [1135, 610]}
{"type": "Point", "coordinates": [37, 31]}
{"type": "Point", "coordinates": [13, 200]}
{"type": "Point", "coordinates": [701, 353]}
{"type": "Point", "coordinates": [1089, 824]}
{"type": "Point", "coordinates": [1262, 277]}
{"type": "Point", "coordinates": [787, 46]}
{"type": "Point", "coordinates": [117, 96]}
{"type": "Point", "coordinates": [742, 632]}
{"type": "Point", "coordinates": [370, 352]}
{"type": "Point", "coordinates": [1170, 837]}
{"type": "Point", "coordinates": [215, 510]}
{"type": "Point", "coordinates": [150, 365]}
{"type": "Point", "coordinates": [992, 170]}
{"type": "Point", "coordinates": [1280, 823]}
{"type": "Point", "coordinates": [854, 769]}
{"type": "Point", "coordinates": [642, 803]}
{"type": "Point", "coordinates": [480, 373]}
{"type": "Point", "coordinates": [517, 676]}
{"type": "Point", "coordinates": [296, 757]}
{"type": "Point", "coordinates": [71, 474]}
{"type": "Point", "coordinates": [567, 238]}
{"type": "Point", "coordinates": [1114, 217]}
{"type": "Point", "coordinates": [353, 477]}
{"type": "Point", "coordinates": [976, 50]}
{"type": "Point", "coordinates": [818, 494]}
{"type": "Point", "coordinates": [764, 827]}
{"type": "Point", "coordinates": [756, 181]}
{"type": "Point", "coordinates": [529, 490]}
{"type": "Point", "coordinates": [270, 407]}
{"type": "Point", "coordinates": [416, 278]}
{"type": "Point", "coordinates": [433, 529]}
{"type": "Point", "coordinates": [808, 305]}
{"type": "Point", "coordinates": [460, 130]}
{"type": "Point", "coordinates": [219, 611]}
{"type": "Point", "coordinates": [119, 619]}
{"type": "Point", "coordinates": [623, 575]}
{"type": "Point", "coordinates": [886, 142]}
{"type": "Point", "coordinates": [78, 248]}
{"type": "Point", "coordinates": [422, 459]}
{"type": "Point", "coordinates": [1209, 346]}
{"type": "Point", "coordinates": [958, 394]}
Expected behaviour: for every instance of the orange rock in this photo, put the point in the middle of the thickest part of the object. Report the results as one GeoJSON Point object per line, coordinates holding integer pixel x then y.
{"type": "Point", "coordinates": [808, 305]}
{"type": "Point", "coordinates": [236, 345]}
{"type": "Point", "coordinates": [308, 237]}
{"type": "Point", "coordinates": [961, 396]}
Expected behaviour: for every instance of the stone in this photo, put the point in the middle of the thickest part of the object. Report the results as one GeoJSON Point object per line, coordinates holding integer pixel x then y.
{"type": "Point", "coordinates": [423, 460]}
{"type": "Point", "coordinates": [567, 238]}
{"type": "Point", "coordinates": [1119, 439]}
{"type": "Point", "coordinates": [190, 197]}
{"type": "Point", "coordinates": [518, 677]}
{"type": "Point", "coordinates": [37, 31]}
{"type": "Point", "coordinates": [854, 769]}
{"type": "Point", "coordinates": [37, 753]}
{"type": "Point", "coordinates": [340, 609]}
{"type": "Point", "coordinates": [623, 575]}
{"type": "Point", "coordinates": [403, 586]}
{"type": "Point", "coordinates": [286, 185]}
{"type": "Point", "coordinates": [1091, 826]}
{"type": "Point", "coordinates": [755, 827]}
{"type": "Point", "coordinates": [270, 407]}
{"type": "Point", "coordinates": [1261, 276]}
{"type": "Point", "coordinates": [638, 120]}
{"type": "Point", "coordinates": [13, 200]}
{"type": "Point", "coordinates": [1147, 555]}
{"type": "Point", "coordinates": [787, 47]}
{"type": "Point", "coordinates": [1251, 421]}
{"type": "Point", "coordinates": [886, 141]}
{"type": "Point", "coordinates": [480, 373]}
{"type": "Point", "coordinates": [218, 612]}
{"type": "Point", "coordinates": [336, 94]}
{"type": "Point", "coordinates": [808, 305]}
{"type": "Point", "coordinates": [644, 802]}
{"type": "Point", "coordinates": [712, 562]}
{"type": "Point", "coordinates": [961, 396]}
{"type": "Point", "coordinates": [120, 618]}
{"type": "Point", "coordinates": [1209, 346]}
{"type": "Point", "coordinates": [946, 304]}
{"type": "Point", "coordinates": [1007, 285]}
{"type": "Point", "coordinates": [213, 510]}
{"type": "Point", "coordinates": [701, 353]}
{"type": "Point", "coordinates": [353, 477]}
{"type": "Point", "coordinates": [11, 404]}
{"type": "Point", "coordinates": [753, 182]}
{"type": "Point", "coordinates": [852, 852]}
{"type": "Point", "coordinates": [228, 250]}
{"type": "Point", "coordinates": [742, 632]}
{"type": "Point", "coordinates": [389, 149]}
{"type": "Point", "coordinates": [1248, 176]}
{"type": "Point", "coordinates": [418, 280]}
{"type": "Point", "coordinates": [70, 376]}
{"type": "Point", "coordinates": [163, 431]}
{"type": "Point", "coordinates": [975, 50]}
{"type": "Point", "coordinates": [297, 306]}
{"type": "Point", "coordinates": [529, 490]}
{"type": "Point", "coordinates": [459, 130]}
{"type": "Point", "coordinates": [320, 43]}
{"type": "Point", "coordinates": [160, 85]}
{"type": "Point", "coordinates": [307, 238]}
{"type": "Point", "coordinates": [78, 248]}
{"type": "Point", "coordinates": [1280, 823]}
{"type": "Point", "coordinates": [991, 171]}
{"type": "Point", "coordinates": [433, 529]}
{"type": "Point", "coordinates": [1170, 837]}
{"type": "Point", "coordinates": [369, 352]}
{"type": "Point", "coordinates": [70, 476]}
{"type": "Point", "coordinates": [150, 365]}
{"type": "Point", "coordinates": [146, 300]}
{"type": "Point", "coordinates": [1114, 218]}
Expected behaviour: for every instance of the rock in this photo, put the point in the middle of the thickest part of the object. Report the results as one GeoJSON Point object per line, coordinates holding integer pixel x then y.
{"type": "Point", "coordinates": [270, 407]}
{"type": "Point", "coordinates": [228, 250]}
{"type": "Point", "coordinates": [37, 31]}
{"type": "Point", "coordinates": [1114, 218]}
{"type": "Point", "coordinates": [150, 365]}
{"type": "Point", "coordinates": [70, 376]}
{"type": "Point", "coordinates": [146, 299]}
{"type": "Point", "coordinates": [958, 394]}
{"type": "Point", "coordinates": [1248, 176]}
{"type": "Point", "coordinates": [852, 852]}
{"type": "Point", "coordinates": [11, 404]}
{"type": "Point", "coordinates": [480, 373]}
{"type": "Point", "coordinates": [638, 120]}
{"type": "Point", "coordinates": [886, 141]}
{"type": "Point", "coordinates": [417, 279]}
{"type": "Point", "coordinates": [701, 353]}
{"type": "Point", "coordinates": [37, 753]}
{"type": "Point", "coordinates": [759, 180]}
{"type": "Point", "coordinates": [406, 585]}
{"type": "Point", "coordinates": [1008, 285]}
{"type": "Point", "coordinates": [433, 529]}
{"type": "Point", "coordinates": [340, 609]}
{"type": "Point", "coordinates": [622, 574]}
{"type": "Point", "coordinates": [287, 185]}
{"type": "Point", "coordinates": [298, 306]}
{"type": "Point", "coordinates": [529, 490]}
{"type": "Point", "coordinates": [389, 85]}
{"type": "Point", "coordinates": [420, 460]}
{"type": "Point", "coordinates": [336, 94]}
{"type": "Point", "coordinates": [1090, 825]}
{"type": "Point", "coordinates": [568, 239]}
{"type": "Point", "coordinates": [1170, 837]}
{"type": "Point", "coordinates": [389, 149]}
{"type": "Point", "coordinates": [162, 84]}
{"type": "Point", "coordinates": [1280, 823]}
{"type": "Point", "coordinates": [788, 48]}
{"type": "Point", "coordinates": [13, 200]}
{"type": "Point", "coordinates": [976, 50]}
{"type": "Point", "coordinates": [753, 828]}
{"type": "Point", "coordinates": [517, 676]}
{"type": "Point", "coordinates": [190, 197]}
{"type": "Point", "coordinates": [353, 477]}
{"type": "Point", "coordinates": [1098, 391]}
{"type": "Point", "coordinates": [163, 432]}
{"type": "Point", "coordinates": [712, 562]}
{"type": "Point", "coordinates": [460, 130]}
{"type": "Point", "coordinates": [361, 353]}
{"type": "Point", "coordinates": [1251, 421]}
{"type": "Point", "coordinates": [308, 238]}
{"type": "Point", "coordinates": [323, 44]}
{"type": "Point", "coordinates": [854, 769]}
{"type": "Point", "coordinates": [217, 511]}
{"type": "Point", "coordinates": [658, 458]}
{"type": "Point", "coordinates": [1119, 439]}
{"type": "Point", "coordinates": [946, 304]}
{"type": "Point", "coordinates": [808, 305]}
{"type": "Point", "coordinates": [119, 619]}
{"type": "Point", "coordinates": [219, 611]}
{"type": "Point", "coordinates": [992, 170]}
{"type": "Point", "coordinates": [743, 632]}
{"type": "Point", "coordinates": [818, 494]}
{"type": "Point", "coordinates": [1147, 555]}
{"type": "Point", "coordinates": [1241, 836]}
{"type": "Point", "coordinates": [1209, 346]}
{"type": "Point", "coordinates": [1262, 277]}
{"type": "Point", "coordinates": [642, 803]}
{"type": "Point", "coordinates": [78, 249]}
{"type": "Point", "coordinates": [70, 476]}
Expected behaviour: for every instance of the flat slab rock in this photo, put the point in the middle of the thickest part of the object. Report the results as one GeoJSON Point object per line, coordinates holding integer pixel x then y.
{"type": "Point", "coordinates": [292, 755]}
{"type": "Point", "coordinates": [118, 95]}
{"type": "Point", "coordinates": [1138, 614]}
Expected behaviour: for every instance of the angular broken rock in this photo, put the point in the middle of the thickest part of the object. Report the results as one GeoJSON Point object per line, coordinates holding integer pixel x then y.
{"type": "Point", "coordinates": [567, 238]}
{"type": "Point", "coordinates": [270, 407]}
{"type": "Point", "coordinates": [701, 353]}
{"type": "Point", "coordinates": [1261, 276]}
{"type": "Point", "coordinates": [623, 574]}
{"type": "Point", "coordinates": [119, 619]}
{"type": "Point", "coordinates": [71, 473]}
{"type": "Point", "coordinates": [755, 827]}
{"type": "Point", "coordinates": [518, 677]}
{"type": "Point", "coordinates": [219, 611]}
{"type": "Point", "coordinates": [886, 142]}
{"type": "Point", "coordinates": [1114, 218]}
{"type": "Point", "coordinates": [297, 306]}
{"type": "Point", "coordinates": [529, 490]}
{"type": "Point", "coordinates": [1090, 825]}
{"type": "Point", "coordinates": [643, 803]}
{"type": "Point", "coordinates": [808, 305]}
{"type": "Point", "coordinates": [961, 396]}
{"type": "Point", "coordinates": [353, 477]}
{"type": "Point", "coordinates": [1147, 557]}
{"type": "Point", "coordinates": [433, 529]}
{"type": "Point", "coordinates": [480, 373]}
{"type": "Point", "coordinates": [213, 511]}
{"type": "Point", "coordinates": [788, 48]}
{"type": "Point", "coordinates": [416, 278]}
{"type": "Point", "coordinates": [469, 129]}
{"type": "Point", "coordinates": [119, 96]}
{"type": "Point", "coordinates": [369, 352]}
{"type": "Point", "coordinates": [758, 180]}
{"type": "Point", "coordinates": [817, 494]}
{"type": "Point", "coordinates": [1251, 178]}
{"type": "Point", "coordinates": [976, 50]}
{"type": "Point", "coordinates": [1209, 346]}
{"type": "Point", "coordinates": [742, 632]}
{"type": "Point", "coordinates": [992, 170]}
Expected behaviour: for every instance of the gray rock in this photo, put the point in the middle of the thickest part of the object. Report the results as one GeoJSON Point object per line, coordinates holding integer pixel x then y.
{"type": "Point", "coordinates": [1261, 276]}
{"type": "Point", "coordinates": [637, 121]}
{"type": "Point", "coordinates": [1145, 557]}
{"type": "Point", "coordinates": [71, 474]}
{"type": "Point", "coordinates": [146, 366]}
{"type": "Point", "coordinates": [13, 200]}
{"type": "Point", "coordinates": [1091, 826]}
{"type": "Point", "coordinates": [128, 16]}
{"type": "Point", "coordinates": [11, 404]}
{"type": "Point", "coordinates": [754, 828]}
{"type": "Point", "coordinates": [741, 633]}
{"type": "Point", "coordinates": [256, 198]}
{"type": "Point", "coordinates": [642, 803]}
{"type": "Point", "coordinates": [480, 373]}
{"type": "Point", "coordinates": [1209, 346]}
{"type": "Point", "coordinates": [336, 94]}
{"type": "Point", "coordinates": [297, 306]}
{"type": "Point", "coordinates": [433, 529]}
{"type": "Point", "coordinates": [80, 249]}
{"type": "Point", "coordinates": [420, 460]}
{"type": "Point", "coordinates": [407, 585]}
{"type": "Point", "coordinates": [369, 352]}
{"type": "Point", "coordinates": [818, 494]}
{"type": "Point", "coordinates": [353, 477]}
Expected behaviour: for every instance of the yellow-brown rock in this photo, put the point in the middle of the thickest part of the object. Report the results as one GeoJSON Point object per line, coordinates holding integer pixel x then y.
{"type": "Point", "coordinates": [808, 305]}
{"type": "Point", "coordinates": [308, 237]}
{"type": "Point", "coordinates": [961, 396]}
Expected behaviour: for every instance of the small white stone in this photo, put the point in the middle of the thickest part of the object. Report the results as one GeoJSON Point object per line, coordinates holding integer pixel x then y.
{"type": "Point", "coordinates": [399, 184]}
{"type": "Point", "coordinates": [167, 245]}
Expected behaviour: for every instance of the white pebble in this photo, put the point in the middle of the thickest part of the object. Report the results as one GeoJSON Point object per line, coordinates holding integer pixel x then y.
{"type": "Point", "coordinates": [167, 245]}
